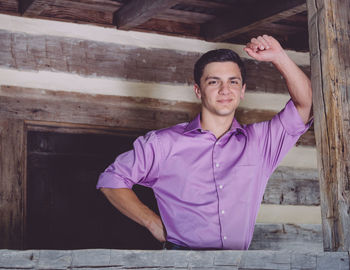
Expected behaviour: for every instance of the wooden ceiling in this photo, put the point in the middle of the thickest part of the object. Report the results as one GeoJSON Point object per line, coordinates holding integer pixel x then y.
{"type": "Point", "coordinates": [233, 21]}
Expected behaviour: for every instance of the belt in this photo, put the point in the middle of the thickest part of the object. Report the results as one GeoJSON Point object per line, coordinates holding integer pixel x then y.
{"type": "Point", "coordinates": [172, 246]}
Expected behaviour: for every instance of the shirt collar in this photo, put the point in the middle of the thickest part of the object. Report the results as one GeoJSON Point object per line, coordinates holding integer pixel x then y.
{"type": "Point", "coordinates": [195, 124]}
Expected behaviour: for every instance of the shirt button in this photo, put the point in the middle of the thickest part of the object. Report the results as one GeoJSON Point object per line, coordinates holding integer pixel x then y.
{"type": "Point", "coordinates": [225, 237]}
{"type": "Point", "coordinates": [217, 165]}
{"type": "Point", "coordinates": [222, 211]}
{"type": "Point", "coordinates": [221, 186]}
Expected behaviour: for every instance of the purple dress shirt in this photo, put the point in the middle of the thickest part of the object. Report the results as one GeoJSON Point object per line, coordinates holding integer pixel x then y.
{"type": "Point", "coordinates": [208, 191]}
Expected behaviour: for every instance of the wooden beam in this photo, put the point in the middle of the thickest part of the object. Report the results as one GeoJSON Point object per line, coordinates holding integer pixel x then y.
{"type": "Point", "coordinates": [74, 10]}
{"type": "Point", "coordinates": [237, 21]}
{"type": "Point", "coordinates": [329, 38]}
{"type": "Point", "coordinates": [298, 237]}
{"type": "Point", "coordinates": [184, 16]}
{"type": "Point", "coordinates": [137, 12]}
{"type": "Point", "coordinates": [288, 186]}
{"type": "Point", "coordinates": [93, 58]}
{"type": "Point", "coordinates": [12, 186]}
{"type": "Point", "coordinates": [121, 111]}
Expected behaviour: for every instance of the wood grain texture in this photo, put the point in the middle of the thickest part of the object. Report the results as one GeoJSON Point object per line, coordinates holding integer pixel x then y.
{"type": "Point", "coordinates": [330, 60]}
{"type": "Point", "coordinates": [137, 12]}
{"type": "Point", "coordinates": [173, 259]}
{"type": "Point", "coordinates": [184, 16]}
{"type": "Point", "coordinates": [12, 186]}
{"type": "Point", "coordinates": [170, 28]}
{"type": "Point", "coordinates": [9, 6]}
{"type": "Point", "coordinates": [288, 186]}
{"type": "Point", "coordinates": [94, 12]}
{"type": "Point", "coordinates": [299, 237]}
{"type": "Point", "coordinates": [228, 26]}
{"type": "Point", "coordinates": [110, 111]}
{"type": "Point", "coordinates": [89, 58]}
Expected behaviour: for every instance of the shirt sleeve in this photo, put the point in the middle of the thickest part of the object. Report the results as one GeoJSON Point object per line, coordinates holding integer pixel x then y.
{"type": "Point", "coordinates": [279, 135]}
{"type": "Point", "coordinates": [137, 166]}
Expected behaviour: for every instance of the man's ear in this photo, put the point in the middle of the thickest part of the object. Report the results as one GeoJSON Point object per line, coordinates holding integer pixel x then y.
{"type": "Point", "coordinates": [197, 91]}
{"type": "Point", "coordinates": [243, 91]}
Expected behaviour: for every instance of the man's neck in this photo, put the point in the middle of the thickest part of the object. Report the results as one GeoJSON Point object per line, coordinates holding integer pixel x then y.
{"type": "Point", "coordinates": [218, 125]}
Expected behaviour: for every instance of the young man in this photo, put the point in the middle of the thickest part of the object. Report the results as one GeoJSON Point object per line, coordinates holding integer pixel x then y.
{"type": "Point", "coordinates": [209, 175]}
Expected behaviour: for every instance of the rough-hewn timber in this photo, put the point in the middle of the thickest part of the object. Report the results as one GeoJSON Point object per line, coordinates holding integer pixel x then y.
{"type": "Point", "coordinates": [330, 61]}
{"type": "Point", "coordinates": [293, 187]}
{"type": "Point", "coordinates": [137, 12]}
{"type": "Point", "coordinates": [297, 237]}
{"type": "Point", "coordinates": [112, 111]}
{"type": "Point", "coordinates": [90, 58]}
{"type": "Point", "coordinates": [12, 187]}
{"type": "Point", "coordinates": [171, 259]}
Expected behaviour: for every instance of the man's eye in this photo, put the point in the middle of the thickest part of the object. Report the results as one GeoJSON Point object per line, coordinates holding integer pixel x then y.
{"type": "Point", "coordinates": [212, 82]}
{"type": "Point", "coordinates": [234, 82]}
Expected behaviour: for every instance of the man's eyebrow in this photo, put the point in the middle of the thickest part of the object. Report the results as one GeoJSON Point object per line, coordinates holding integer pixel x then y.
{"type": "Point", "coordinates": [212, 78]}
{"type": "Point", "coordinates": [217, 78]}
{"type": "Point", "coordinates": [235, 78]}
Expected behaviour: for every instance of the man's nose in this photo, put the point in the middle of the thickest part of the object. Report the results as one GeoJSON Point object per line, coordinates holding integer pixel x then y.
{"type": "Point", "coordinates": [224, 89]}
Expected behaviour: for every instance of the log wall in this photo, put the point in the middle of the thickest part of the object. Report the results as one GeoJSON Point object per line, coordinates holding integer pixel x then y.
{"type": "Point", "coordinates": [61, 74]}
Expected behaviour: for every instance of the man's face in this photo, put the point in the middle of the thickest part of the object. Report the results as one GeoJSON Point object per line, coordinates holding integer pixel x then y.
{"type": "Point", "coordinates": [220, 88]}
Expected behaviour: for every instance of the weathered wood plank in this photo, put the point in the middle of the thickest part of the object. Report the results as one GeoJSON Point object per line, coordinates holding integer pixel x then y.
{"type": "Point", "coordinates": [89, 58]}
{"type": "Point", "coordinates": [12, 187]}
{"type": "Point", "coordinates": [293, 187]}
{"type": "Point", "coordinates": [137, 12]}
{"type": "Point", "coordinates": [76, 11]}
{"type": "Point", "coordinates": [171, 259]}
{"type": "Point", "coordinates": [184, 16]}
{"type": "Point", "coordinates": [228, 26]}
{"type": "Point", "coordinates": [98, 110]}
{"type": "Point", "coordinates": [171, 28]}
{"type": "Point", "coordinates": [9, 6]}
{"type": "Point", "coordinates": [111, 111]}
{"type": "Point", "coordinates": [302, 238]}
{"type": "Point", "coordinates": [330, 60]}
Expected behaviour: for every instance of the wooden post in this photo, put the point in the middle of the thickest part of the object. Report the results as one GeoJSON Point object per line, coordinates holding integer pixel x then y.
{"type": "Point", "coordinates": [329, 34]}
{"type": "Point", "coordinates": [12, 186]}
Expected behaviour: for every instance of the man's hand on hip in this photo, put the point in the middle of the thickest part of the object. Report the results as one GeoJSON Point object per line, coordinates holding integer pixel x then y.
{"type": "Point", "coordinates": [156, 227]}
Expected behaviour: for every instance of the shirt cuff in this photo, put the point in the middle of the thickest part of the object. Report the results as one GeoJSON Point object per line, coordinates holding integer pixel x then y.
{"type": "Point", "coordinates": [291, 120]}
{"type": "Point", "coordinates": [110, 180]}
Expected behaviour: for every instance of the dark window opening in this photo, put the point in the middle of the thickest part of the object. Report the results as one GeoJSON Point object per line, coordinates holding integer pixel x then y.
{"type": "Point", "coordinates": [63, 208]}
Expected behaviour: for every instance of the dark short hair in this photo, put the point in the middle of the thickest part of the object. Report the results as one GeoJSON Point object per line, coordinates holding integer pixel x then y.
{"type": "Point", "coordinates": [219, 55]}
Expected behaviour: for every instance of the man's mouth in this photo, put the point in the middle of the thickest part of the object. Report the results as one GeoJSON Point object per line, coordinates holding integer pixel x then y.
{"type": "Point", "coordinates": [224, 101]}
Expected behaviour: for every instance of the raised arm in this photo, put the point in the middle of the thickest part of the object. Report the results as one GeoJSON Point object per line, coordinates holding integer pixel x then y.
{"type": "Point", "coordinates": [266, 48]}
{"type": "Point", "coordinates": [126, 201]}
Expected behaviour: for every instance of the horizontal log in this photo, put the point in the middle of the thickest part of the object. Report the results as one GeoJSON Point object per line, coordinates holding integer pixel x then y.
{"type": "Point", "coordinates": [112, 111]}
{"type": "Point", "coordinates": [139, 114]}
{"type": "Point", "coordinates": [167, 259]}
{"type": "Point", "coordinates": [302, 238]}
{"type": "Point", "coordinates": [9, 6]}
{"type": "Point", "coordinates": [90, 58]}
{"type": "Point", "coordinates": [294, 187]}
